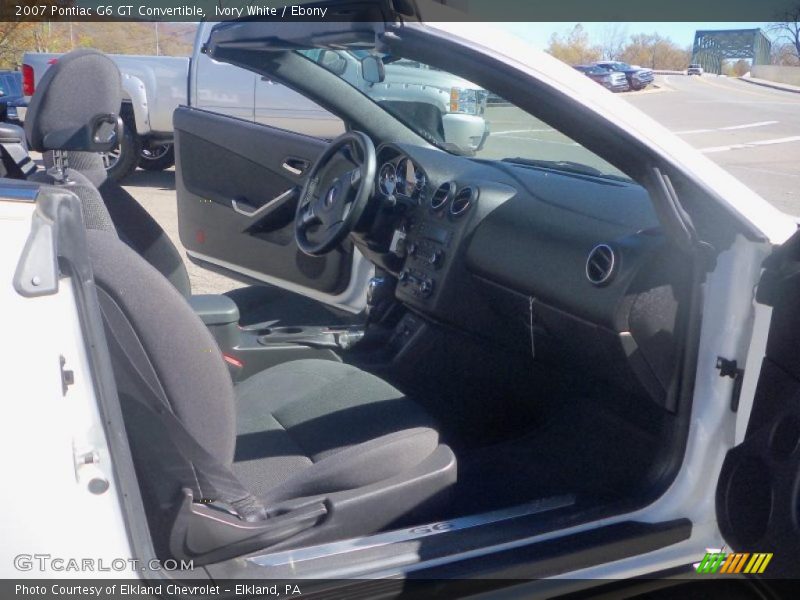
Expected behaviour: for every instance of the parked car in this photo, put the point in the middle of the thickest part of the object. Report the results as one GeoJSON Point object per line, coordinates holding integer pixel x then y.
{"type": "Point", "coordinates": [638, 78]}
{"type": "Point", "coordinates": [156, 85]}
{"type": "Point", "coordinates": [12, 100]}
{"type": "Point", "coordinates": [596, 324]}
{"type": "Point", "coordinates": [612, 80]}
{"type": "Point", "coordinates": [694, 69]}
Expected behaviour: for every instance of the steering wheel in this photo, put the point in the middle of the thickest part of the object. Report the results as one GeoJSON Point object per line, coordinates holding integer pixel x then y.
{"type": "Point", "coordinates": [324, 219]}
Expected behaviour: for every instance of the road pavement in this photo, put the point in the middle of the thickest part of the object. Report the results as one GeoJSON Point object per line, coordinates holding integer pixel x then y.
{"type": "Point", "coordinates": [155, 190]}
{"type": "Point", "coordinates": [752, 132]}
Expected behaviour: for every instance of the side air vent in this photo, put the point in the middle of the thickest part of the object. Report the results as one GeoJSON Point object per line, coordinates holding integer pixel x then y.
{"type": "Point", "coordinates": [442, 195]}
{"type": "Point", "coordinates": [462, 201]}
{"type": "Point", "coordinates": [601, 264]}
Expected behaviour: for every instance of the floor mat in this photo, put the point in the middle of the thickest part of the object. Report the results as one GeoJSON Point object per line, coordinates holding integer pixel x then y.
{"type": "Point", "coordinates": [581, 449]}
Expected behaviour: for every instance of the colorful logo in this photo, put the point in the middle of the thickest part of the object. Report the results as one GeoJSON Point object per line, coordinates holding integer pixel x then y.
{"type": "Point", "coordinates": [734, 562]}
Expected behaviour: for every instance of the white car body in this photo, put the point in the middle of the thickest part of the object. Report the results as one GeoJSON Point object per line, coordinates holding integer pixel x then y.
{"type": "Point", "coordinates": [41, 460]}
{"type": "Point", "coordinates": [694, 69]}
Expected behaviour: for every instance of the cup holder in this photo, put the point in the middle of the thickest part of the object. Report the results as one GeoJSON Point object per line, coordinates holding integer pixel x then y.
{"type": "Point", "coordinates": [342, 338]}
{"type": "Point", "coordinates": [298, 334]}
{"type": "Point", "coordinates": [282, 331]}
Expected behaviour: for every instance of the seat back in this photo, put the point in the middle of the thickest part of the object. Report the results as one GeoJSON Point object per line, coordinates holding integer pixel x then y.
{"type": "Point", "coordinates": [72, 93]}
{"type": "Point", "coordinates": [129, 219]}
{"type": "Point", "coordinates": [174, 386]}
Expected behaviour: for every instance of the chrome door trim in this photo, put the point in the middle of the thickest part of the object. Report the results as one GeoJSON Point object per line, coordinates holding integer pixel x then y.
{"type": "Point", "coordinates": [254, 213]}
{"type": "Point", "coordinates": [287, 557]}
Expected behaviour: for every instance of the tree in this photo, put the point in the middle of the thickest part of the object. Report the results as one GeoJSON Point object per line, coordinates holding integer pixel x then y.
{"type": "Point", "coordinates": [613, 40]}
{"type": "Point", "coordinates": [17, 37]}
{"type": "Point", "coordinates": [783, 54]}
{"type": "Point", "coordinates": [657, 52]}
{"type": "Point", "coordinates": [573, 47]}
{"type": "Point", "coordinates": [8, 48]}
{"type": "Point", "coordinates": [786, 31]}
{"type": "Point", "coordinates": [736, 69]}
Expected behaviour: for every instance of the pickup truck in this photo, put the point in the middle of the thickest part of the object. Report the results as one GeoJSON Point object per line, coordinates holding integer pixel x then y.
{"type": "Point", "coordinates": [154, 86]}
{"type": "Point", "coordinates": [11, 98]}
{"type": "Point", "coordinates": [638, 77]}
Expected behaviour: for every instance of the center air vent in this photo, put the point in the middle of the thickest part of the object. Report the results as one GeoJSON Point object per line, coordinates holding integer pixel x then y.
{"type": "Point", "coordinates": [601, 264]}
{"type": "Point", "coordinates": [462, 201]}
{"type": "Point", "coordinates": [442, 195]}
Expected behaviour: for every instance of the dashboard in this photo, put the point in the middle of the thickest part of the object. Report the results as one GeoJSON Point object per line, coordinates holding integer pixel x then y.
{"type": "Point", "coordinates": [513, 252]}
{"type": "Point", "coordinates": [433, 215]}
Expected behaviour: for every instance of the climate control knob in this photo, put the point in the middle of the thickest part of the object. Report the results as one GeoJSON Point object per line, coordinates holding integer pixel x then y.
{"type": "Point", "coordinates": [426, 287]}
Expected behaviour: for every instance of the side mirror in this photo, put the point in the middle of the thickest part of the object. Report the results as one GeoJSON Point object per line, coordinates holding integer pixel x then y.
{"type": "Point", "coordinates": [333, 61]}
{"type": "Point", "coordinates": [2, 92]}
{"type": "Point", "coordinates": [372, 69]}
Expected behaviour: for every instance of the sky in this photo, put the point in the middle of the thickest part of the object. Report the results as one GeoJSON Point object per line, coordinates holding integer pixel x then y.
{"type": "Point", "coordinates": [538, 34]}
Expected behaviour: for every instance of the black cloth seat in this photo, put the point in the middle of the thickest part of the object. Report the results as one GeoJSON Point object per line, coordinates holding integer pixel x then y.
{"type": "Point", "coordinates": [309, 430]}
{"type": "Point", "coordinates": [323, 414]}
{"type": "Point", "coordinates": [82, 84]}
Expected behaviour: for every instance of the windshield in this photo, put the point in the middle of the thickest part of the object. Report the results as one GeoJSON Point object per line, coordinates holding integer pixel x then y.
{"type": "Point", "coordinates": [457, 115]}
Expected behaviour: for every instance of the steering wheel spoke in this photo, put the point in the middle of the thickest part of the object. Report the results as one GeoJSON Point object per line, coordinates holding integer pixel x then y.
{"type": "Point", "coordinates": [306, 217]}
{"type": "Point", "coordinates": [355, 177]}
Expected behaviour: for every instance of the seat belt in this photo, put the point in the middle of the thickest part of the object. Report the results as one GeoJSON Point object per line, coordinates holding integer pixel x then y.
{"type": "Point", "coordinates": [16, 159]}
{"type": "Point", "coordinates": [21, 164]}
{"type": "Point", "coordinates": [214, 483]}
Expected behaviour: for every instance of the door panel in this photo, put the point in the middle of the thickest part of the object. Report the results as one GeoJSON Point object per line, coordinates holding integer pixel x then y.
{"type": "Point", "coordinates": [238, 184]}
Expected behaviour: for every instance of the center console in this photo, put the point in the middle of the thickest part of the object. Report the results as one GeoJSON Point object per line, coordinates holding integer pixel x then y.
{"type": "Point", "coordinates": [253, 348]}
{"type": "Point", "coordinates": [430, 238]}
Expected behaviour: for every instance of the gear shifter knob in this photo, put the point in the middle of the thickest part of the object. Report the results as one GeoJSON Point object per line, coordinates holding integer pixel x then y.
{"type": "Point", "coordinates": [376, 290]}
{"type": "Point", "coordinates": [379, 294]}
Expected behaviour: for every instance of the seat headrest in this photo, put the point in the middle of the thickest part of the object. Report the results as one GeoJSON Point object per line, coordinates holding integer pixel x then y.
{"type": "Point", "coordinates": [76, 104]}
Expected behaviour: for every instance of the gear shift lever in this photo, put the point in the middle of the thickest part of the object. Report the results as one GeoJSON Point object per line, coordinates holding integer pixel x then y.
{"type": "Point", "coordinates": [380, 293]}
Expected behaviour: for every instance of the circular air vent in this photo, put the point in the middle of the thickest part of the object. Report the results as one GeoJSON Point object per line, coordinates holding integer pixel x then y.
{"type": "Point", "coordinates": [442, 195]}
{"type": "Point", "coordinates": [462, 201]}
{"type": "Point", "coordinates": [601, 264]}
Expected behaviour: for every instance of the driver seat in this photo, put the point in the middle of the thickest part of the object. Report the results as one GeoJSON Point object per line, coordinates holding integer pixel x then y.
{"type": "Point", "coordinates": [83, 83]}
{"type": "Point", "coordinates": [305, 452]}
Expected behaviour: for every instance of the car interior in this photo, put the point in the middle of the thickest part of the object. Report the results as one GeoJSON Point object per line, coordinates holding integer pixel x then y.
{"type": "Point", "coordinates": [523, 363]}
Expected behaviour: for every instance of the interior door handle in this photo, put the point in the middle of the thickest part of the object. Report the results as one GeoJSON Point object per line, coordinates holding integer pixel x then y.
{"type": "Point", "coordinates": [244, 208]}
{"type": "Point", "coordinates": [295, 166]}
